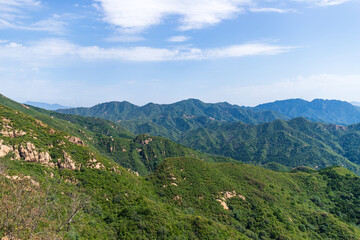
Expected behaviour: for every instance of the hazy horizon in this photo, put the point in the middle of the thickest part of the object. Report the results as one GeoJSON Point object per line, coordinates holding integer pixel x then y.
{"type": "Point", "coordinates": [168, 103]}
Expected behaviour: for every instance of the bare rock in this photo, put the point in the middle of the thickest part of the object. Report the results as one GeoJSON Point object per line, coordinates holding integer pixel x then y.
{"type": "Point", "coordinates": [75, 140]}
{"type": "Point", "coordinates": [93, 163]}
{"type": "Point", "coordinates": [4, 149]}
{"type": "Point", "coordinates": [30, 154]}
{"type": "Point", "coordinates": [8, 131]}
{"type": "Point", "coordinates": [67, 163]}
{"type": "Point", "coordinates": [223, 196]}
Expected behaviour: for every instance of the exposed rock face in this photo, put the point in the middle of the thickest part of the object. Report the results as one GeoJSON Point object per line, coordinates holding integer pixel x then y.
{"type": "Point", "coordinates": [223, 196]}
{"type": "Point", "coordinates": [75, 140]}
{"type": "Point", "coordinates": [178, 199]}
{"type": "Point", "coordinates": [30, 154]}
{"type": "Point", "coordinates": [8, 131]}
{"type": "Point", "coordinates": [67, 163]}
{"type": "Point", "coordinates": [93, 163]}
{"type": "Point", "coordinates": [133, 172]}
{"type": "Point", "coordinates": [18, 178]}
{"type": "Point", "coordinates": [146, 141]}
{"type": "Point", "coordinates": [41, 123]}
{"type": "Point", "coordinates": [4, 149]}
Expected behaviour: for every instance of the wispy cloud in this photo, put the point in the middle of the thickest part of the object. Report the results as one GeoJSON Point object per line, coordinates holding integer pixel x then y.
{"type": "Point", "coordinates": [323, 2]}
{"type": "Point", "coordinates": [274, 10]}
{"type": "Point", "coordinates": [178, 39]}
{"type": "Point", "coordinates": [14, 14]}
{"type": "Point", "coordinates": [54, 49]}
{"type": "Point", "coordinates": [54, 24]}
{"type": "Point", "coordinates": [13, 9]}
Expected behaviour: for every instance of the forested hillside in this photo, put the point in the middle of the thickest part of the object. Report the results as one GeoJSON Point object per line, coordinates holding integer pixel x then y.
{"type": "Point", "coordinates": [298, 142]}
{"type": "Point", "coordinates": [172, 120]}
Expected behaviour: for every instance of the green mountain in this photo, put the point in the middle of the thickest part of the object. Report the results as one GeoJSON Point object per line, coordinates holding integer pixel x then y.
{"type": "Point", "coordinates": [140, 153]}
{"type": "Point", "coordinates": [54, 185]}
{"type": "Point", "coordinates": [172, 120]}
{"type": "Point", "coordinates": [293, 143]}
{"type": "Point", "coordinates": [328, 111]}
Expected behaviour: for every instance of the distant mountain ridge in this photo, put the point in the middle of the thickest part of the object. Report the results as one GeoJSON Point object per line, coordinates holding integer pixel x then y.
{"type": "Point", "coordinates": [318, 110]}
{"type": "Point", "coordinates": [172, 120]}
{"type": "Point", "coordinates": [297, 142]}
{"type": "Point", "coordinates": [47, 106]}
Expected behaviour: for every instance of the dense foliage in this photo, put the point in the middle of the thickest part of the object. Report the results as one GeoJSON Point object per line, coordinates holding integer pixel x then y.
{"type": "Point", "coordinates": [184, 198]}
{"type": "Point", "coordinates": [293, 143]}
{"type": "Point", "coordinates": [139, 153]}
{"type": "Point", "coordinates": [172, 120]}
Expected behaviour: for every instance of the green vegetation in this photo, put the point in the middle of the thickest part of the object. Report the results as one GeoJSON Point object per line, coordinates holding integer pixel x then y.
{"type": "Point", "coordinates": [75, 192]}
{"type": "Point", "coordinates": [139, 153]}
{"type": "Point", "coordinates": [172, 120]}
{"type": "Point", "coordinates": [264, 204]}
{"type": "Point", "coordinates": [293, 143]}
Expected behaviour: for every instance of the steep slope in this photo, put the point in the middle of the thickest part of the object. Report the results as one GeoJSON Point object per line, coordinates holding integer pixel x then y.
{"type": "Point", "coordinates": [328, 111]}
{"type": "Point", "coordinates": [54, 186]}
{"type": "Point", "coordinates": [172, 120]}
{"type": "Point", "coordinates": [261, 203]}
{"type": "Point", "coordinates": [139, 153]}
{"type": "Point", "coordinates": [297, 142]}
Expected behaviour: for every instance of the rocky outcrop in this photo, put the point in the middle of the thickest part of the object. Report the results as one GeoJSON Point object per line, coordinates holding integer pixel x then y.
{"type": "Point", "coordinates": [133, 172]}
{"type": "Point", "coordinates": [8, 131]}
{"type": "Point", "coordinates": [223, 196]}
{"type": "Point", "coordinates": [93, 163]}
{"type": "Point", "coordinates": [41, 123]}
{"type": "Point", "coordinates": [67, 162]}
{"type": "Point", "coordinates": [30, 154]}
{"type": "Point", "coordinates": [75, 140]}
{"type": "Point", "coordinates": [146, 141]}
{"type": "Point", "coordinates": [5, 149]}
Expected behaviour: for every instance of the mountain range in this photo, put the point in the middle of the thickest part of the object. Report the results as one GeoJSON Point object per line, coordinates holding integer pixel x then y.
{"type": "Point", "coordinates": [318, 110]}
{"type": "Point", "coordinates": [59, 181]}
{"type": "Point", "coordinates": [292, 143]}
{"type": "Point", "coordinates": [328, 111]}
{"type": "Point", "coordinates": [173, 120]}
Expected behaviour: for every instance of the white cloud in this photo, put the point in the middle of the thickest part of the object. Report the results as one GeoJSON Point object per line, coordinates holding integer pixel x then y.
{"type": "Point", "coordinates": [178, 39]}
{"type": "Point", "coordinates": [136, 15]}
{"type": "Point", "coordinates": [14, 15]}
{"type": "Point", "coordinates": [10, 9]}
{"type": "Point", "coordinates": [53, 24]}
{"type": "Point", "coordinates": [323, 2]}
{"type": "Point", "coordinates": [327, 86]}
{"type": "Point", "coordinates": [43, 52]}
{"type": "Point", "coordinates": [275, 10]}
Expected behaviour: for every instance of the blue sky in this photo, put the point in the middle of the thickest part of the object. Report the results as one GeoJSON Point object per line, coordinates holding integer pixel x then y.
{"type": "Point", "coordinates": [245, 52]}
